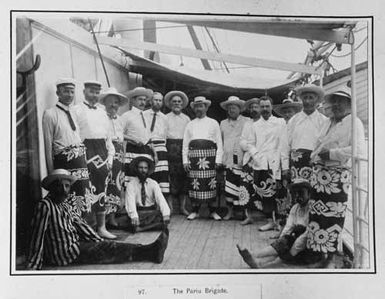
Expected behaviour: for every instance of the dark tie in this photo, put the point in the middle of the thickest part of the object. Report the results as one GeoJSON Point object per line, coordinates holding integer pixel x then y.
{"type": "Point", "coordinates": [144, 121]}
{"type": "Point", "coordinates": [69, 117]}
{"type": "Point", "coordinates": [89, 106]}
{"type": "Point", "coordinates": [143, 193]}
{"type": "Point", "coordinates": [153, 122]}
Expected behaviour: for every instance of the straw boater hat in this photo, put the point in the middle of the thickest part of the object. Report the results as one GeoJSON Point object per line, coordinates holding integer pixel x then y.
{"type": "Point", "coordinates": [65, 81]}
{"type": "Point", "coordinates": [233, 100]}
{"type": "Point", "coordinates": [249, 102]}
{"type": "Point", "coordinates": [299, 183]}
{"type": "Point", "coordinates": [112, 91]}
{"type": "Point", "coordinates": [310, 88]}
{"type": "Point", "coordinates": [200, 100]}
{"type": "Point", "coordinates": [57, 174]}
{"type": "Point", "coordinates": [287, 103]}
{"type": "Point", "coordinates": [134, 164]}
{"type": "Point", "coordinates": [140, 91]}
{"type": "Point", "coordinates": [171, 94]}
{"type": "Point", "coordinates": [343, 91]}
{"type": "Point", "coordinates": [92, 83]}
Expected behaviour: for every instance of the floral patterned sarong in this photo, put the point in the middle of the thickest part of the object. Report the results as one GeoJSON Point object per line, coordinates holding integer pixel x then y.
{"type": "Point", "coordinates": [328, 207]}
{"type": "Point", "coordinates": [202, 176]}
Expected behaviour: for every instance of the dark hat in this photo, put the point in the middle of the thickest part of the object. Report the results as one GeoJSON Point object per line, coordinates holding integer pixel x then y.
{"type": "Point", "coordinates": [57, 174]}
{"type": "Point", "coordinates": [134, 164]}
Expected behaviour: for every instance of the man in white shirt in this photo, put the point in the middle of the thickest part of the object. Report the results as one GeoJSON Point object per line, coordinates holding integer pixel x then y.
{"type": "Point", "coordinates": [304, 130]}
{"type": "Point", "coordinates": [62, 143]}
{"type": "Point", "coordinates": [112, 100]}
{"type": "Point", "coordinates": [94, 123]}
{"type": "Point", "coordinates": [145, 204]}
{"type": "Point", "coordinates": [158, 126]}
{"type": "Point", "coordinates": [176, 122]}
{"type": "Point", "coordinates": [202, 155]}
{"type": "Point", "coordinates": [291, 244]}
{"type": "Point", "coordinates": [331, 176]}
{"type": "Point", "coordinates": [268, 151]}
{"type": "Point", "coordinates": [136, 131]}
{"type": "Point", "coordinates": [231, 129]}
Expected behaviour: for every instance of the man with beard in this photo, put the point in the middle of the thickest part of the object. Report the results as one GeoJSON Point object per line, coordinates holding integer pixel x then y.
{"type": "Point", "coordinates": [145, 204]}
{"type": "Point", "coordinates": [112, 100]}
{"type": "Point", "coordinates": [268, 152]}
{"type": "Point", "coordinates": [176, 123]}
{"type": "Point", "coordinates": [136, 130]}
{"type": "Point", "coordinates": [331, 176]}
{"type": "Point", "coordinates": [94, 123]}
{"type": "Point", "coordinates": [291, 245]}
{"type": "Point", "coordinates": [246, 188]}
{"type": "Point", "coordinates": [202, 155]}
{"type": "Point", "coordinates": [158, 133]}
{"type": "Point", "coordinates": [304, 130]}
{"type": "Point", "coordinates": [231, 129]}
{"type": "Point", "coordinates": [61, 237]}
{"type": "Point", "coordinates": [63, 144]}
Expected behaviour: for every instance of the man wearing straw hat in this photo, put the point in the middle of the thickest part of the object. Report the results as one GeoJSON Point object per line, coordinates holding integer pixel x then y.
{"type": "Point", "coordinates": [94, 123]}
{"type": "Point", "coordinates": [331, 177]}
{"type": "Point", "coordinates": [287, 109]}
{"type": "Point", "coordinates": [135, 129]}
{"type": "Point", "coordinates": [61, 237]}
{"type": "Point", "coordinates": [202, 155]}
{"type": "Point", "coordinates": [176, 124]}
{"type": "Point", "coordinates": [63, 145]}
{"type": "Point", "coordinates": [158, 126]}
{"type": "Point", "coordinates": [113, 100]}
{"type": "Point", "coordinates": [231, 129]}
{"type": "Point", "coordinates": [145, 204]}
{"type": "Point", "coordinates": [304, 130]}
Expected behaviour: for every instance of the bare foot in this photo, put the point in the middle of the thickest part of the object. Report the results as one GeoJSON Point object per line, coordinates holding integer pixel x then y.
{"type": "Point", "coordinates": [184, 212]}
{"type": "Point", "coordinates": [247, 258]}
{"type": "Point", "coordinates": [228, 216]}
{"type": "Point", "coordinates": [247, 221]}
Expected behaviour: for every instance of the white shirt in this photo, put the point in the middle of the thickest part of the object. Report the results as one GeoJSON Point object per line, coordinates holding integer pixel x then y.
{"type": "Point", "coordinates": [94, 124]}
{"type": "Point", "coordinates": [203, 128]}
{"type": "Point", "coordinates": [160, 128]}
{"type": "Point", "coordinates": [133, 126]}
{"type": "Point", "coordinates": [267, 145]}
{"type": "Point", "coordinates": [304, 130]}
{"type": "Point", "coordinates": [133, 197]}
{"type": "Point", "coordinates": [298, 216]}
{"type": "Point", "coordinates": [58, 133]}
{"type": "Point", "coordinates": [231, 132]}
{"type": "Point", "coordinates": [176, 124]}
{"type": "Point", "coordinates": [337, 138]}
{"type": "Point", "coordinates": [115, 128]}
{"type": "Point", "coordinates": [245, 140]}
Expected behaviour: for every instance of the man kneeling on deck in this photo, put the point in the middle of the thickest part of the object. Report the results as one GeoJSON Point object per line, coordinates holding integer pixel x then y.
{"type": "Point", "coordinates": [61, 237]}
{"type": "Point", "coordinates": [291, 245]}
{"type": "Point", "coordinates": [145, 204]}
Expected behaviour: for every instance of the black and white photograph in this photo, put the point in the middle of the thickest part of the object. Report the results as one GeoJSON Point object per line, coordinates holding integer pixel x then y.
{"type": "Point", "coordinates": [191, 142]}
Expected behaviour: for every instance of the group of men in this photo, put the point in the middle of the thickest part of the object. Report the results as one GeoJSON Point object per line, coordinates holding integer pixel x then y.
{"type": "Point", "coordinates": [144, 159]}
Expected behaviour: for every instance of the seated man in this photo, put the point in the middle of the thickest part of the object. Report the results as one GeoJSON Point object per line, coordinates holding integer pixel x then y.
{"type": "Point", "coordinates": [61, 237]}
{"type": "Point", "coordinates": [291, 245]}
{"type": "Point", "coordinates": [145, 204]}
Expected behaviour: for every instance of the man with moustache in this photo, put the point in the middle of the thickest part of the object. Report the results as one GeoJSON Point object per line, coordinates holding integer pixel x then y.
{"type": "Point", "coordinates": [176, 123]}
{"type": "Point", "coordinates": [136, 131]}
{"type": "Point", "coordinates": [158, 130]}
{"type": "Point", "coordinates": [268, 151]}
{"type": "Point", "coordinates": [63, 144]}
{"type": "Point", "coordinates": [112, 100]}
{"type": "Point", "coordinates": [231, 129]}
{"type": "Point", "coordinates": [61, 237]}
{"type": "Point", "coordinates": [94, 123]}
{"type": "Point", "coordinates": [202, 155]}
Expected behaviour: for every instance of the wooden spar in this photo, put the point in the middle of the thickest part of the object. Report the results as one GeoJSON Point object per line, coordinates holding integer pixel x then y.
{"type": "Point", "coordinates": [198, 46]}
{"type": "Point", "coordinates": [236, 59]}
{"type": "Point", "coordinates": [99, 52]}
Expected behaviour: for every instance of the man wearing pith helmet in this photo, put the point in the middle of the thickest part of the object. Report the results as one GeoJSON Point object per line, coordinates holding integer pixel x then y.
{"type": "Point", "coordinates": [202, 155]}
{"type": "Point", "coordinates": [231, 129]}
